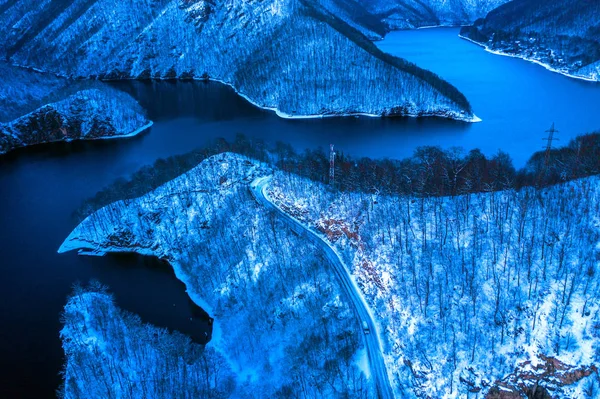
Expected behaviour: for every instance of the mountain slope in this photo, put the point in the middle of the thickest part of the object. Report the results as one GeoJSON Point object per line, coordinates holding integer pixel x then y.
{"type": "Point", "coordinates": [564, 35]}
{"type": "Point", "coordinates": [110, 353]}
{"type": "Point", "coordinates": [406, 14]}
{"type": "Point", "coordinates": [288, 55]}
{"type": "Point", "coordinates": [377, 17]}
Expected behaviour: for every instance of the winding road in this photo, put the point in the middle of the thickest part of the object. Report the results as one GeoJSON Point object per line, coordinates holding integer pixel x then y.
{"type": "Point", "coordinates": [372, 342]}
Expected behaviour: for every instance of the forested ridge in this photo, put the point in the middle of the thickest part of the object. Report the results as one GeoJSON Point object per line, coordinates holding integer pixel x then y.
{"type": "Point", "coordinates": [111, 353]}
{"type": "Point", "coordinates": [493, 293]}
{"type": "Point", "coordinates": [276, 53]}
{"type": "Point", "coordinates": [473, 292]}
{"type": "Point", "coordinates": [377, 17]}
{"type": "Point", "coordinates": [431, 171]}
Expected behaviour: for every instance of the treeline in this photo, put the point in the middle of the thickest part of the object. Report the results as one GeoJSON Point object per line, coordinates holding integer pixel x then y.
{"type": "Point", "coordinates": [431, 171]}
{"type": "Point", "coordinates": [163, 170]}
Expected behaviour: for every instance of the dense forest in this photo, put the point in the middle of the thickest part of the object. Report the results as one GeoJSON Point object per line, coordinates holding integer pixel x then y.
{"type": "Point", "coordinates": [290, 56]}
{"type": "Point", "coordinates": [87, 114]}
{"type": "Point", "coordinates": [110, 353]}
{"type": "Point", "coordinates": [562, 34]}
{"type": "Point", "coordinates": [431, 171]}
{"type": "Point", "coordinates": [473, 292]}
{"type": "Point", "coordinates": [408, 14]}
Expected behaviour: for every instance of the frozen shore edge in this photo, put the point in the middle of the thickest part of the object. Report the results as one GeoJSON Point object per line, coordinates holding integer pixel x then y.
{"type": "Point", "coordinates": [73, 243]}
{"type": "Point", "coordinates": [532, 60]}
{"type": "Point", "coordinates": [472, 119]}
{"type": "Point", "coordinates": [469, 119]}
{"type": "Point", "coordinates": [115, 136]}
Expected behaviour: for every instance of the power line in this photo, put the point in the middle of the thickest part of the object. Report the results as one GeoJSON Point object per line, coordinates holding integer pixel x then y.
{"type": "Point", "coordinates": [548, 145]}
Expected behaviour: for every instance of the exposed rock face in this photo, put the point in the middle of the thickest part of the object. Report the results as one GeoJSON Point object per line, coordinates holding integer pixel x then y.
{"type": "Point", "coordinates": [563, 35]}
{"type": "Point", "coordinates": [287, 55]}
{"type": "Point", "coordinates": [544, 379]}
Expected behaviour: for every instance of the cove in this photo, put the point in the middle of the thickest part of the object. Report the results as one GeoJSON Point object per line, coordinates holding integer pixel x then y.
{"type": "Point", "coordinates": [40, 188]}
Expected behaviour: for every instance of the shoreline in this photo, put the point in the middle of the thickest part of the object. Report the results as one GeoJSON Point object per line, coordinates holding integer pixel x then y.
{"type": "Point", "coordinates": [532, 60]}
{"type": "Point", "coordinates": [473, 119]}
{"type": "Point", "coordinates": [134, 133]}
{"type": "Point", "coordinates": [86, 248]}
{"type": "Point", "coordinates": [123, 136]}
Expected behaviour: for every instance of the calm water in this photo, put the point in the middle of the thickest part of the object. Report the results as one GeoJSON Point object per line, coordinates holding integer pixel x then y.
{"type": "Point", "coordinates": [40, 187]}
{"type": "Point", "coordinates": [517, 100]}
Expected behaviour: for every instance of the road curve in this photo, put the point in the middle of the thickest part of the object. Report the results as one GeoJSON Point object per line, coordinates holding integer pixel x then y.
{"type": "Point", "coordinates": [372, 342]}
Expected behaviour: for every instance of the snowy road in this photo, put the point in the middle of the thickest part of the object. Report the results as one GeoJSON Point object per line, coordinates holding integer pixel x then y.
{"type": "Point", "coordinates": [372, 343]}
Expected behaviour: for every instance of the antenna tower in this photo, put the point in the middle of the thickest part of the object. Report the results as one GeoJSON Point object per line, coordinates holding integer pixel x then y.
{"type": "Point", "coordinates": [331, 165]}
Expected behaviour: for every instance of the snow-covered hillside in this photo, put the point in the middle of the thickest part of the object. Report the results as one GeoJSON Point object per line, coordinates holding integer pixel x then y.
{"type": "Point", "coordinates": [375, 18]}
{"type": "Point", "coordinates": [490, 293]}
{"type": "Point", "coordinates": [292, 56]}
{"type": "Point", "coordinates": [39, 108]}
{"type": "Point", "coordinates": [562, 35]}
{"type": "Point", "coordinates": [280, 321]}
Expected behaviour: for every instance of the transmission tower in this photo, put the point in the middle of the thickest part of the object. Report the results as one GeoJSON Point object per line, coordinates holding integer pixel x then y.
{"type": "Point", "coordinates": [548, 145]}
{"type": "Point", "coordinates": [331, 165]}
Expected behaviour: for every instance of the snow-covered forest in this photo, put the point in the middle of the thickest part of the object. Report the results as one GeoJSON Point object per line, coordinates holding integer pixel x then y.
{"type": "Point", "coordinates": [110, 353]}
{"type": "Point", "coordinates": [280, 321]}
{"type": "Point", "coordinates": [40, 108]}
{"type": "Point", "coordinates": [288, 55]}
{"type": "Point", "coordinates": [477, 292]}
{"type": "Point", "coordinates": [408, 14]}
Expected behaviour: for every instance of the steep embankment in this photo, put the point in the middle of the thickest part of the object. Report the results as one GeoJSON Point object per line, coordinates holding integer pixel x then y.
{"type": "Point", "coordinates": [280, 319]}
{"type": "Point", "coordinates": [495, 294]}
{"type": "Point", "coordinates": [287, 55]}
{"type": "Point", "coordinates": [38, 108]}
{"type": "Point", "coordinates": [562, 35]}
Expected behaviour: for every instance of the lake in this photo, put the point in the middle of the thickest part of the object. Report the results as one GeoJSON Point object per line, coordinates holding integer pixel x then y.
{"type": "Point", "coordinates": [41, 186]}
